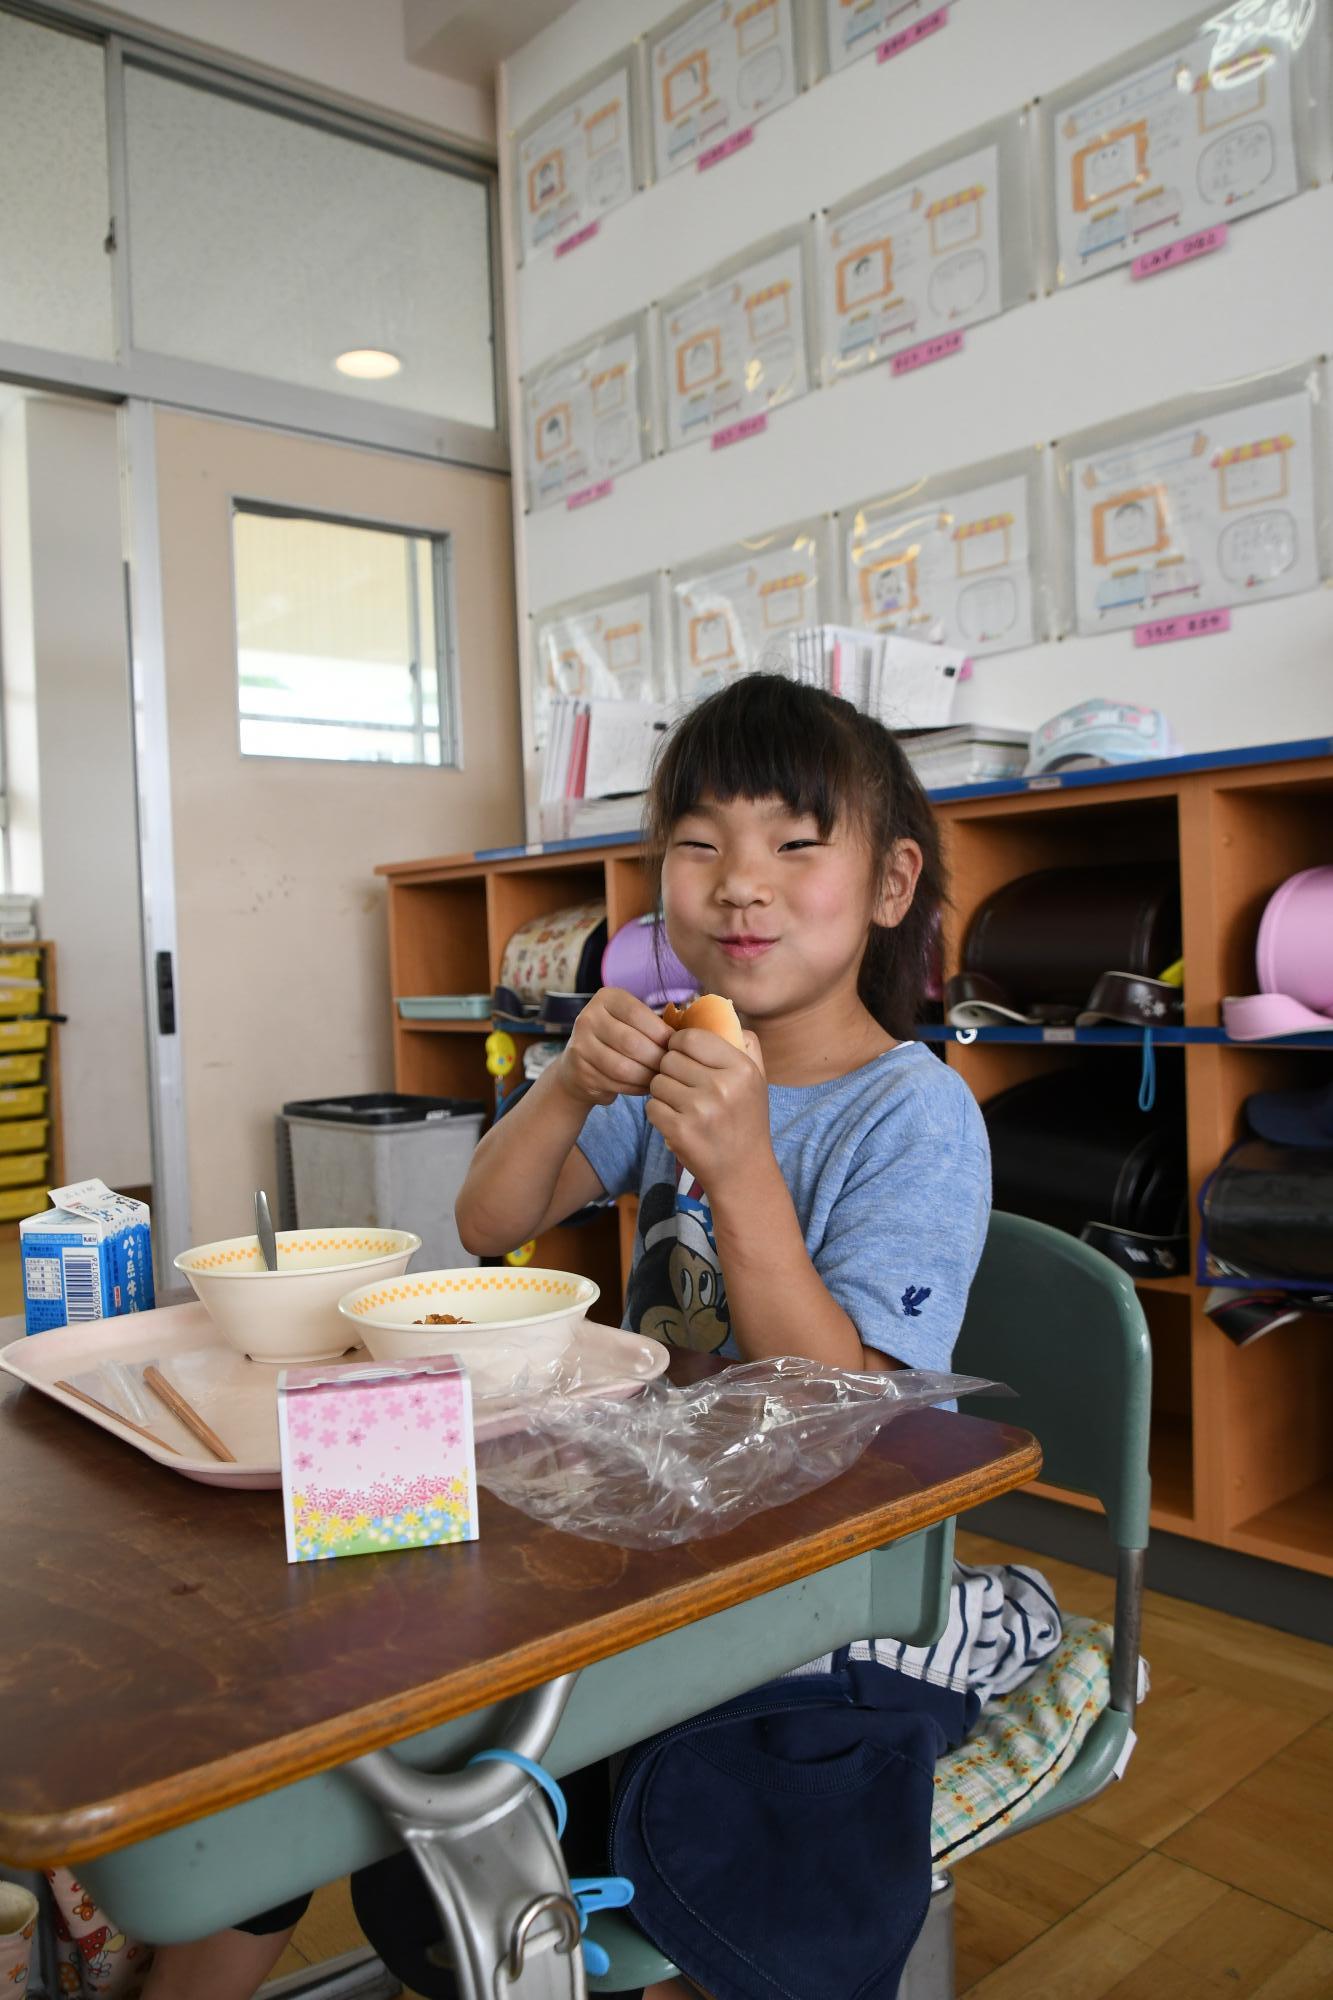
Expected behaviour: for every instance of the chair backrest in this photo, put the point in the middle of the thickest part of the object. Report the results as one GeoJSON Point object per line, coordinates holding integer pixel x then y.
{"type": "Point", "coordinates": [1063, 1327]}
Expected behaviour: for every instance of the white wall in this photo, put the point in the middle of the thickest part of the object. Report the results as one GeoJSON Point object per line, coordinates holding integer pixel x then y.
{"type": "Point", "coordinates": [1059, 364]}
{"type": "Point", "coordinates": [70, 761]}
{"type": "Point", "coordinates": [356, 48]}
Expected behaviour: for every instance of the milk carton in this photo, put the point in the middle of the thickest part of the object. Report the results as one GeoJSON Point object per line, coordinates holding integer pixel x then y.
{"type": "Point", "coordinates": [89, 1257]}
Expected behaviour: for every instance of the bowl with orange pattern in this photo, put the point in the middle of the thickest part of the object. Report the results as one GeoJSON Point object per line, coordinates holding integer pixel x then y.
{"type": "Point", "coordinates": [291, 1314]}
{"type": "Point", "coordinates": [502, 1324]}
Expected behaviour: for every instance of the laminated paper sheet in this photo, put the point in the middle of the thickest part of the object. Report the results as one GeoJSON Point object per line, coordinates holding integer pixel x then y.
{"type": "Point", "coordinates": [856, 27]}
{"type": "Point", "coordinates": [1200, 136]}
{"type": "Point", "coordinates": [740, 612]}
{"type": "Point", "coordinates": [576, 165]}
{"type": "Point", "coordinates": [1215, 512]}
{"type": "Point", "coordinates": [916, 261]}
{"type": "Point", "coordinates": [583, 419]}
{"type": "Point", "coordinates": [726, 67]}
{"type": "Point", "coordinates": [735, 348]}
{"type": "Point", "coordinates": [603, 650]}
{"type": "Point", "coordinates": [955, 569]}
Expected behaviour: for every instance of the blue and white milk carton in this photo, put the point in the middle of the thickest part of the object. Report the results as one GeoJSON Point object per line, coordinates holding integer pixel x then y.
{"type": "Point", "coordinates": [89, 1257]}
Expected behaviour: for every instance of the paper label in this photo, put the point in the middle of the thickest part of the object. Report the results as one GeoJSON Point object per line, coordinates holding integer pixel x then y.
{"type": "Point", "coordinates": [587, 494]}
{"type": "Point", "coordinates": [1183, 251]}
{"type": "Point", "coordinates": [716, 154]}
{"type": "Point", "coordinates": [1190, 625]}
{"type": "Point", "coordinates": [737, 433]}
{"type": "Point", "coordinates": [580, 236]}
{"type": "Point", "coordinates": [898, 44]}
{"type": "Point", "coordinates": [926, 351]}
{"type": "Point", "coordinates": [1126, 1752]}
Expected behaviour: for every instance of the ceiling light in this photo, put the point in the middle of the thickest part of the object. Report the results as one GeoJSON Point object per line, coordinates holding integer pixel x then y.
{"type": "Point", "coordinates": [368, 364]}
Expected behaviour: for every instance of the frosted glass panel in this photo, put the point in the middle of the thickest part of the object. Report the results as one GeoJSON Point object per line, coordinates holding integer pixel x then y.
{"type": "Point", "coordinates": [264, 244]}
{"type": "Point", "coordinates": [55, 208]}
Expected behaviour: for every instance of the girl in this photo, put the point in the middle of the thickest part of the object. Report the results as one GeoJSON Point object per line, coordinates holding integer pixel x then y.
{"type": "Point", "coordinates": [826, 1192]}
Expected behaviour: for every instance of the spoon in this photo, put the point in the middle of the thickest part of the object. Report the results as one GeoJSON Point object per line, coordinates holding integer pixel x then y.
{"type": "Point", "coordinates": [268, 1242]}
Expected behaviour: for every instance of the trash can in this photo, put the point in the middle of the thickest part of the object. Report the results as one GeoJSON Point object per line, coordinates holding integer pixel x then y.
{"type": "Point", "coordinates": [385, 1159]}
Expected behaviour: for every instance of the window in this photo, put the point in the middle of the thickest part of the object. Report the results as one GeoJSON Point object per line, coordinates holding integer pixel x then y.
{"type": "Point", "coordinates": [343, 640]}
{"type": "Point", "coordinates": [264, 243]}
{"type": "Point", "coordinates": [55, 200]}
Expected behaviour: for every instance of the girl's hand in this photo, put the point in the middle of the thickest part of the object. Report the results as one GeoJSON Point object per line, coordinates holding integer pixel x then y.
{"type": "Point", "coordinates": [710, 1103]}
{"type": "Point", "coordinates": [614, 1050]}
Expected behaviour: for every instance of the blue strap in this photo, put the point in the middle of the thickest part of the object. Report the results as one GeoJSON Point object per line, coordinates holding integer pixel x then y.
{"type": "Point", "coordinates": [1148, 1076]}
{"type": "Point", "coordinates": [590, 1892]}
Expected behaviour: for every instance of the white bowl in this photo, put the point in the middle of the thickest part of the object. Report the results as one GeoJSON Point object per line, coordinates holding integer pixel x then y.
{"type": "Point", "coordinates": [291, 1314]}
{"type": "Point", "coordinates": [520, 1319]}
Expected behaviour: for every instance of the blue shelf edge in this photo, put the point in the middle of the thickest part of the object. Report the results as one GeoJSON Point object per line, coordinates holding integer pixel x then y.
{"type": "Point", "coordinates": [1116, 1037]}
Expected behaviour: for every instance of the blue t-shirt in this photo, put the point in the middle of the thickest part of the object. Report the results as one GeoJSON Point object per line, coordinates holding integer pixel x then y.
{"type": "Point", "coordinates": [889, 1173]}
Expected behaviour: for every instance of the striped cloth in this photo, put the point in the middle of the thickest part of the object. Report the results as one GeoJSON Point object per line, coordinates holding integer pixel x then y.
{"type": "Point", "coordinates": [1003, 1622]}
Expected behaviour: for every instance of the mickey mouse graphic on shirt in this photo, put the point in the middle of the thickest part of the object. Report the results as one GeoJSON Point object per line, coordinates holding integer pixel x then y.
{"type": "Point", "coordinates": [677, 1293]}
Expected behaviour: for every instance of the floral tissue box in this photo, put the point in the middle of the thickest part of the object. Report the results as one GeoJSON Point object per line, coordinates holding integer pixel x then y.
{"type": "Point", "coordinates": [376, 1455]}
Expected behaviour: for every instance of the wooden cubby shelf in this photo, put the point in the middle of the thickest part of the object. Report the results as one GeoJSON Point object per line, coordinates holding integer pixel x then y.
{"type": "Point", "coordinates": [1242, 1438]}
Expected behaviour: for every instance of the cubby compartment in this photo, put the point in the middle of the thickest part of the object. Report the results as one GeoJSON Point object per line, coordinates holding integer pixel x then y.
{"type": "Point", "coordinates": [521, 890]}
{"type": "Point", "coordinates": [429, 1063]}
{"type": "Point", "coordinates": [437, 937]}
{"type": "Point", "coordinates": [1262, 833]}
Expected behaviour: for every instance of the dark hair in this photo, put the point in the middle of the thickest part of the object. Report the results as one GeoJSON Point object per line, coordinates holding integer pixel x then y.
{"type": "Point", "coordinates": [766, 736]}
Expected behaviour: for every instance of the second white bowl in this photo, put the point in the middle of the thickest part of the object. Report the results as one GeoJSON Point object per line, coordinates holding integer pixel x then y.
{"type": "Point", "coordinates": [516, 1320]}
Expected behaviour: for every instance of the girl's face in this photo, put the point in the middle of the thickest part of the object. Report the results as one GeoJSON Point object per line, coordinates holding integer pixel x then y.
{"type": "Point", "coordinates": [761, 908]}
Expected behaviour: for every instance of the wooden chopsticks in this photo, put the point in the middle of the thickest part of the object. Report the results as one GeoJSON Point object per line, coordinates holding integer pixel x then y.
{"type": "Point", "coordinates": [155, 1380]}
{"type": "Point", "coordinates": [105, 1409]}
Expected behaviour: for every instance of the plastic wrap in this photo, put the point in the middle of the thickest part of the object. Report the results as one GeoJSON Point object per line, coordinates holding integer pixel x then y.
{"type": "Point", "coordinates": [676, 1464]}
{"type": "Point", "coordinates": [601, 648]}
{"type": "Point", "coordinates": [733, 609]}
{"type": "Point", "coordinates": [586, 416]}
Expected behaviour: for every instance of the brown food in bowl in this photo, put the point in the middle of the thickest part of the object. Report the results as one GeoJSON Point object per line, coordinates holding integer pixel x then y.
{"type": "Point", "coordinates": [442, 1319]}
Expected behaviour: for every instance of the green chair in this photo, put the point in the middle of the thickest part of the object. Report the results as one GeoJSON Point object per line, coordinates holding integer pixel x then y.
{"type": "Point", "coordinates": [1063, 1327]}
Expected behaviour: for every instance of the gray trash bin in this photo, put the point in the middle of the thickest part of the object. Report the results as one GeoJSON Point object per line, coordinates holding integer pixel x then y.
{"type": "Point", "coordinates": [385, 1159]}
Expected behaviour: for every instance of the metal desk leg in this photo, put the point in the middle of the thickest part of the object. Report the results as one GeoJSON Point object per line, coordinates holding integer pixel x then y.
{"type": "Point", "coordinates": [484, 1839]}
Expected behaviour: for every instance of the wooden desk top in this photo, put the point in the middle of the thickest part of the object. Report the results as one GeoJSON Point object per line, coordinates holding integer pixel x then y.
{"type": "Point", "coordinates": [161, 1660]}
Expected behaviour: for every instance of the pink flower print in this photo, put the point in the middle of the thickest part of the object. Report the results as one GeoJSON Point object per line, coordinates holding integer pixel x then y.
{"type": "Point", "coordinates": [304, 1461]}
{"type": "Point", "coordinates": [394, 1406]}
{"type": "Point", "coordinates": [357, 1436]}
{"type": "Point", "coordinates": [417, 1398]}
{"type": "Point", "coordinates": [425, 1420]}
{"type": "Point", "coordinates": [328, 1437]}
{"type": "Point", "coordinates": [299, 1426]}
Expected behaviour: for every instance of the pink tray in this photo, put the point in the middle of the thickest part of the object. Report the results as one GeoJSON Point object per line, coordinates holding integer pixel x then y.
{"type": "Point", "coordinates": [239, 1397]}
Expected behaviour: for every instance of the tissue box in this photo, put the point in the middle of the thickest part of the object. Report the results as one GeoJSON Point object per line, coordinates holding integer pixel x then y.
{"type": "Point", "coordinates": [89, 1257]}
{"type": "Point", "coordinates": [376, 1456]}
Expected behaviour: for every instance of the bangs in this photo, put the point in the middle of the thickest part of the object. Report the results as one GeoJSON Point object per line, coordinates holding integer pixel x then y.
{"type": "Point", "coordinates": [763, 737]}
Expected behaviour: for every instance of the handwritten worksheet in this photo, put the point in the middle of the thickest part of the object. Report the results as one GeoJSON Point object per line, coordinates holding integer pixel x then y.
{"type": "Point", "coordinates": [575, 166]}
{"type": "Point", "coordinates": [604, 649]}
{"type": "Point", "coordinates": [918, 259]}
{"type": "Point", "coordinates": [857, 27]}
{"type": "Point", "coordinates": [955, 570]}
{"type": "Point", "coordinates": [1201, 136]}
{"type": "Point", "coordinates": [1211, 513]}
{"type": "Point", "coordinates": [583, 420]}
{"type": "Point", "coordinates": [738, 612]}
{"type": "Point", "coordinates": [736, 348]}
{"type": "Point", "coordinates": [717, 74]}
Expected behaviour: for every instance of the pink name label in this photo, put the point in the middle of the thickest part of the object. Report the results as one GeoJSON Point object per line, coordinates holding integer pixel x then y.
{"type": "Point", "coordinates": [725, 148]}
{"type": "Point", "coordinates": [748, 427]}
{"type": "Point", "coordinates": [926, 351]}
{"type": "Point", "coordinates": [1183, 251]}
{"type": "Point", "coordinates": [1190, 625]}
{"type": "Point", "coordinates": [929, 24]}
{"type": "Point", "coordinates": [584, 235]}
{"type": "Point", "coordinates": [587, 494]}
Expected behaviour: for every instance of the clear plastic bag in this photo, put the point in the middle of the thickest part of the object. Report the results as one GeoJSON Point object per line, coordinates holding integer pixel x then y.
{"type": "Point", "coordinates": [675, 1464]}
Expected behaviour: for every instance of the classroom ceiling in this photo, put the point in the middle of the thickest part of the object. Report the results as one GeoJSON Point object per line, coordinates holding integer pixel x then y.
{"type": "Point", "coordinates": [467, 39]}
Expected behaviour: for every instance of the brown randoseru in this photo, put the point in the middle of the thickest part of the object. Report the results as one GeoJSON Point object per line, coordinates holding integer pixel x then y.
{"type": "Point", "coordinates": [709, 1011]}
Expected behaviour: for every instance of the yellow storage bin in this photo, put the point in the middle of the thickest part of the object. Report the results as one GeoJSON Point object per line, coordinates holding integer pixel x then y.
{"type": "Point", "coordinates": [20, 999]}
{"type": "Point", "coordinates": [23, 1135]}
{"type": "Point", "coordinates": [23, 1103]}
{"type": "Point", "coordinates": [16, 1036]}
{"type": "Point", "coordinates": [19, 965]}
{"type": "Point", "coordinates": [17, 1204]}
{"type": "Point", "coordinates": [20, 1169]}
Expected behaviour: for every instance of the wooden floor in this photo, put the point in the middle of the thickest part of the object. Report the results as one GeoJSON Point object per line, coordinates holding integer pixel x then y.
{"type": "Point", "coordinates": [1204, 1872]}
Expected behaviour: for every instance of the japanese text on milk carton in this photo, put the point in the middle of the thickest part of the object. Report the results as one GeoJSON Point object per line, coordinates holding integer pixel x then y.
{"type": "Point", "coordinates": [89, 1257]}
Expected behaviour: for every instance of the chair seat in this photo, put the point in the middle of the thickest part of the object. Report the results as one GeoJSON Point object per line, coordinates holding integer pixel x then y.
{"type": "Point", "coordinates": [1027, 1743]}
{"type": "Point", "coordinates": [1043, 1748]}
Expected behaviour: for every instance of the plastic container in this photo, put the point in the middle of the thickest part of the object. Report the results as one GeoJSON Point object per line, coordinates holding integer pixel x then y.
{"type": "Point", "coordinates": [16, 1204]}
{"type": "Point", "coordinates": [20, 1069]}
{"type": "Point", "coordinates": [19, 999]}
{"type": "Point", "coordinates": [24, 1135]}
{"type": "Point", "coordinates": [385, 1160]}
{"type": "Point", "coordinates": [23, 1169]}
{"type": "Point", "coordinates": [18, 1037]}
{"type": "Point", "coordinates": [28, 1101]}
{"type": "Point", "coordinates": [19, 965]}
{"type": "Point", "coordinates": [445, 1007]}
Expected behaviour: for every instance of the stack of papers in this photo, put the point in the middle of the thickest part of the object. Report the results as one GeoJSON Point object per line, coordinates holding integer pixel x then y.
{"type": "Point", "coordinates": [903, 683]}
{"type": "Point", "coordinates": [973, 754]}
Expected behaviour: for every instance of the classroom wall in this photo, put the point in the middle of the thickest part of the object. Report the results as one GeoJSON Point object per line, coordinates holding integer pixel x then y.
{"type": "Point", "coordinates": [70, 764]}
{"type": "Point", "coordinates": [1059, 364]}
{"type": "Point", "coordinates": [355, 48]}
